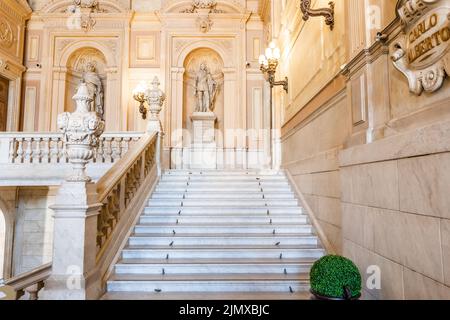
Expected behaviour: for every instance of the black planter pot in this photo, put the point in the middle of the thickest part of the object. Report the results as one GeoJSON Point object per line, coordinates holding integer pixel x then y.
{"type": "Point", "coordinates": [325, 298]}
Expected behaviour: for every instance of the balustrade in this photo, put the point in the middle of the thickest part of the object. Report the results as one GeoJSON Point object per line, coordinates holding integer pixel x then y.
{"type": "Point", "coordinates": [121, 184]}
{"type": "Point", "coordinates": [35, 148]}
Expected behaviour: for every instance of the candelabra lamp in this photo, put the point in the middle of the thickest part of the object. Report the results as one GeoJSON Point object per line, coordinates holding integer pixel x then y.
{"type": "Point", "coordinates": [268, 65]}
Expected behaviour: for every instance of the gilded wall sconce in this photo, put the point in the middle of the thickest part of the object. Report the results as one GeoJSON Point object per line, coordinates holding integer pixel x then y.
{"type": "Point", "coordinates": [140, 95]}
{"type": "Point", "coordinates": [328, 13]}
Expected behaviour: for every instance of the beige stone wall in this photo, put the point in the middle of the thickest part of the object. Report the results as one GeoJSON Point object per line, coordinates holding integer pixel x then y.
{"type": "Point", "coordinates": [372, 160]}
{"type": "Point", "coordinates": [7, 218]}
{"type": "Point", "coordinates": [395, 212]}
{"type": "Point", "coordinates": [33, 234]}
{"type": "Point", "coordinates": [310, 153]}
{"type": "Point", "coordinates": [13, 16]}
{"type": "Point", "coordinates": [312, 54]}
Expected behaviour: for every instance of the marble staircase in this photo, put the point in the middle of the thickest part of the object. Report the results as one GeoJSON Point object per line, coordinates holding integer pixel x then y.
{"type": "Point", "coordinates": [218, 234]}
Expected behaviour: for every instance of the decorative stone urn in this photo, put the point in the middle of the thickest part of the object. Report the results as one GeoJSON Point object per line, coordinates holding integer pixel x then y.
{"type": "Point", "coordinates": [155, 99]}
{"type": "Point", "coordinates": [81, 130]}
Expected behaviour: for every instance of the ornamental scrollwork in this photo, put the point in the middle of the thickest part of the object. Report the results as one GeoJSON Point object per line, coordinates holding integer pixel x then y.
{"type": "Point", "coordinates": [421, 52]}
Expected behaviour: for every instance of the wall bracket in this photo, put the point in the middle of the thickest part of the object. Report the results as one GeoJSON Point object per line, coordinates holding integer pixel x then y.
{"type": "Point", "coordinates": [328, 13]}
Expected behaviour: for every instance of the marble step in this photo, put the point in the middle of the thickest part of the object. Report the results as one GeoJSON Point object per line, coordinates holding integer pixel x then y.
{"type": "Point", "coordinates": [261, 210]}
{"type": "Point", "coordinates": [219, 195]}
{"type": "Point", "coordinates": [221, 190]}
{"type": "Point", "coordinates": [224, 178]}
{"type": "Point", "coordinates": [212, 266]}
{"type": "Point", "coordinates": [213, 283]}
{"type": "Point", "coordinates": [221, 203]}
{"type": "Point", "coordinates": [220, 252]}
{"type": "Point", "coordinates": [216, 219]}
{"type": "Point", "coordinates": [221, 184]}
{"type": "Point", "coordinates": [198, 296]}
{"type": "Point", "coordinates": [219, 229]}
{"type": "Point", "coordinates": [222, 239]}
{"type": "Point", "coordinates": [222, 172]}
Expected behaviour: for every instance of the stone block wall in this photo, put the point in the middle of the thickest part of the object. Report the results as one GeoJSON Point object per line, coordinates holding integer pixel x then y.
{"type": "Point", "coordinates": [395, 212]}
{"type": "Point", "coordinates": [34, 229]}
{"type": "Point", "coordinates": [310, 153]}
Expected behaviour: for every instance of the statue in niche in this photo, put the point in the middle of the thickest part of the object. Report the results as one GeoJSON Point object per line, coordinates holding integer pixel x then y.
{"type": "Point", "coordinates": [205, 90]}
{"type": "Point", "coordinates": [95, 87]}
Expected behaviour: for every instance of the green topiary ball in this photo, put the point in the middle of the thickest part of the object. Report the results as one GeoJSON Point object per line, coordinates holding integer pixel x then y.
{"type": "Point", "coordinates": [331, 274]}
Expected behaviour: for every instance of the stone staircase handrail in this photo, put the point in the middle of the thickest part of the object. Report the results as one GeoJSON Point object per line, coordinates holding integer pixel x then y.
{"type": "Point", "coordinates": [119, 190]}
{"type": "Point", "coordinates": [31, 282]}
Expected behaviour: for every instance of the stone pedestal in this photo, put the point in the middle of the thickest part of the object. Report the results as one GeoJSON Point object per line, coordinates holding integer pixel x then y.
{"type": "Point", "coordinates": [74, 244]}
{"type": "Point", "coordinates": [204, 148]}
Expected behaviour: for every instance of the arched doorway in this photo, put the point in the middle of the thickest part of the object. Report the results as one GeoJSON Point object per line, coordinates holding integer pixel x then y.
{"type": "Point", "coordinates": [215, 65]}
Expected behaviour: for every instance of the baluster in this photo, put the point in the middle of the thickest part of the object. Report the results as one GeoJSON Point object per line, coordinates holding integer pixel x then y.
{"type": "Point", "coordinates": [125, 146]}
{"type": "Point", "coordinates": [20, 150]}
{"type": "Point", "coordinates": [46, 156]}
{"type": "Point", "coordinates": [37, 157]}
{"type": "Point", "coordinates": [101, 227]}
{"type": "Point", "coordinates": [113, 149]}
{"type": "Point", "coordinates": [29, 150]}
{"type": "Point", "coordinates": [62, 151]}
{"type": "Point", "coordinates": [100, 151]}
{"type": "Point", "coordinates": [54, 150]}
{"type": "Point", "coordinates": [118, 148]}
{"type": "Point", "coordinates": [108, 150]}
{"type": "Point", "coordinates": [12, 150]}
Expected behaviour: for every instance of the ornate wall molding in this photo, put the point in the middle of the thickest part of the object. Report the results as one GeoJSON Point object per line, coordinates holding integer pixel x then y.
{"type": "Point", "coordinates": [67, 46]}
{"type": "Point", "coordinates": [191, 6]}
{"type": "Point", "coordinates": [6, 34]}
{"type": "Point", "coordinates": [102, 6]}
{"type": "Point", "coordinates": [421, 53]}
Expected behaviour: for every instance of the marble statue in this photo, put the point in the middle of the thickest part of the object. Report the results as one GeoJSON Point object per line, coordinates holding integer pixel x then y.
{"type": "Point", "coordinates": [205, 90]}
{"type": "Point", "coordinates": [95, 87]}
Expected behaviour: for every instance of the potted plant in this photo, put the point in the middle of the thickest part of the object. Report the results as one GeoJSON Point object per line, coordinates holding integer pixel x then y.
{"type": "Point", "coordinates": [335, 278]}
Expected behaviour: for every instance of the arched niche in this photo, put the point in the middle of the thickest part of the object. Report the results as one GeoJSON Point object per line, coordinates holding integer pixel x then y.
{"type": "Point", "coordinates": [192, 64]}
{"type": "Point", "coordinates": [65, 74]}
{"type": "Point", "coordinates": [76, 66]}
{"type": "Point", "coordinates": [106, 6]}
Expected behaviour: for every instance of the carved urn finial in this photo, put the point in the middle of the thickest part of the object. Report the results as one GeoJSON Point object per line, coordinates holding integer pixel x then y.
{"type": "Point", "coordinates": [81, 130]}
{"type": "Point", "coordinates": [155, 98]}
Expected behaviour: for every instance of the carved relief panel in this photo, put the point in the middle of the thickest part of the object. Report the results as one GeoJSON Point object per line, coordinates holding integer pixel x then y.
{"type": "Point", "coordinates": [422, 52]}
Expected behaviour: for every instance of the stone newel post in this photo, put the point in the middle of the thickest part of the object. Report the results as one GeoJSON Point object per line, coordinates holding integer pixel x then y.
{"type": "Point", "coordinates": [76, 208]}
{"type": "Point", "coordinates": [155, 99]}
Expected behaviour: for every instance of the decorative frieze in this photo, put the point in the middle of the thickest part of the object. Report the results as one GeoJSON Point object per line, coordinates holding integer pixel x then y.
{"type": "Point", "coordinates": [210, 5]}
{"type": "Point", "coordinates": [421, 52]}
